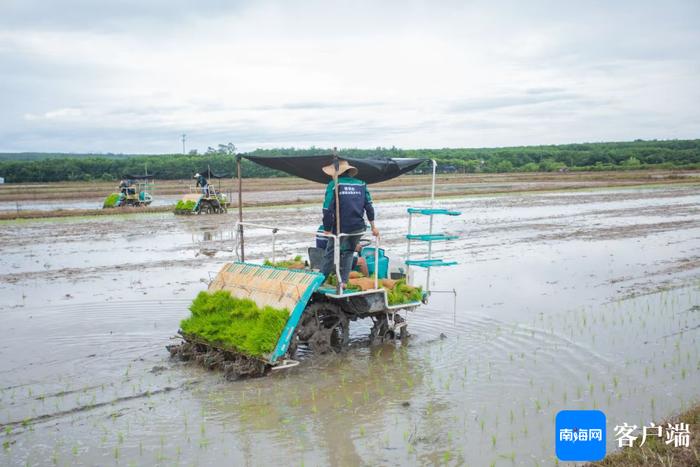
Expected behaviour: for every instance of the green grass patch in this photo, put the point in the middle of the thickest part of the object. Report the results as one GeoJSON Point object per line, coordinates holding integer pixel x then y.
{"type": "Point", "coordinates": [111, 200]}
{"type": "Point", "coordinates": [656, 452]}
{"type": "Point", "coordinates": [185, 206]}
{"type": "Point", "coordinates": [404, 293]}
{"type": "Point", "coordinates": [286, 263]}
{"type": "Point", "coordinates": [332, 280]}
{"type": "Point", "coordinates": [235, 323]}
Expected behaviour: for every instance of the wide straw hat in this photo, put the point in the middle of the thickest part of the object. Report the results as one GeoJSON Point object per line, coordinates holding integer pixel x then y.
{"type": "Point", "coordinates": [343, 167]}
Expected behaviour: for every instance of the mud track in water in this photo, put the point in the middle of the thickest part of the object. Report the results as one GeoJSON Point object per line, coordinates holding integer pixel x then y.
{"type": "Point", "coordinates": [9, 426]}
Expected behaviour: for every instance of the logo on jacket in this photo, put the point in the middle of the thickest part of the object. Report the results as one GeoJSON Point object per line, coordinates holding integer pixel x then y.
{"type": "Point", "coordinates": [350, 190]}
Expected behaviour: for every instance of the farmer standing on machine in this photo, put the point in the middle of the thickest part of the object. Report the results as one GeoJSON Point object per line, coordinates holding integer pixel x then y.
{"type": "Point", "coordinates": [354, 202]}
{"type": "Point", "coordinates": [123, 185]}
{"type": "Point", "coordinates": [202, 181]}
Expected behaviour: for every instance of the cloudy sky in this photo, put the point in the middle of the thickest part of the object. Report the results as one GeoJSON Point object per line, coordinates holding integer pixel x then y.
{"type": "Point", "coordinates": [132, 75]}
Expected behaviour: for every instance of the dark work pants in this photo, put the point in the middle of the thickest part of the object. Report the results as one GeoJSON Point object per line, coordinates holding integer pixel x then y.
{"type": "Point", "coordinates": [347, 249]}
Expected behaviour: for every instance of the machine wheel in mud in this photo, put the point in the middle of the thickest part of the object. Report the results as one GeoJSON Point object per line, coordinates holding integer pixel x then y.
{"type": "Point", "coordinates": [233, 365]}
{"type": "Point", "coordinates": [323, 328]}
{"type": "Point", "coordinates": [207, 206]}
{"type": "Point", "coordinates": [382, 331]}
{"type": "Point", "coordinates": [203, 208]}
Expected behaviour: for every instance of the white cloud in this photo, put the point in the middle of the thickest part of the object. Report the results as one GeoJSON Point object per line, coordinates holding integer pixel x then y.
{"type": "Point", "coordinates": [58, 114]}
{"type": "Point", "coordinates": [128, 77]}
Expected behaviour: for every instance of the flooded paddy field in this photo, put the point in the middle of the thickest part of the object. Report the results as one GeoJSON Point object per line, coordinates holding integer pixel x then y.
{"type": "Point", "coordinates": [565, 300]}
{"type": "Point", "coordinates": [90, 195]}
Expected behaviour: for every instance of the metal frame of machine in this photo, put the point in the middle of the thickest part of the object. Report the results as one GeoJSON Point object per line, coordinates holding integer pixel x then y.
{"type": "Point", "coordinates": [320, 315]}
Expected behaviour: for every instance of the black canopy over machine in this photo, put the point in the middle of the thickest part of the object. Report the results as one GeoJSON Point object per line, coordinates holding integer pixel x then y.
{"type": "Point", "coordinates": [139, 176]}
{"type": "Point", "coordinates": [309, 167]}
{"type": "Point", "coordinates": [370, 170]}
{"type": "Point", "coordinates": [208, 173]}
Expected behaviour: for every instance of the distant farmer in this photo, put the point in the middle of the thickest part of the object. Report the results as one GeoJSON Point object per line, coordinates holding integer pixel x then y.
{"type": "Point", "coordinates": [123, 185]}
{"type": "Point", "coordinates": [202, 181]}
{"type": "Point", "coordinates": [355, 202]}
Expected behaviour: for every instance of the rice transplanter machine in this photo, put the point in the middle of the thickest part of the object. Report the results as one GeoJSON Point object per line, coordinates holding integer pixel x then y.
{"type": "Point", "coordinates": [320, 314]}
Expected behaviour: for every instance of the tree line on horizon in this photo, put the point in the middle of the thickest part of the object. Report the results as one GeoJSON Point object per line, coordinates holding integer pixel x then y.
{"type": "Point", "coordinates": [639, 154]}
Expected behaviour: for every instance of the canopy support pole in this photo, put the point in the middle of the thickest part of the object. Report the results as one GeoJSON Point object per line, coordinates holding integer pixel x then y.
{"type": "Point", "coordinates": [336, 255]}
{"type": "Point", "coordinates": [240, 206]}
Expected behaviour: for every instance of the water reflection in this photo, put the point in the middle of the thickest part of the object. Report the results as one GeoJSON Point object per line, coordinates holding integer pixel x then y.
{"type": "Point", "coordinates": [322, 407]}
{"type": "Point", "coordinates": [210, 240]}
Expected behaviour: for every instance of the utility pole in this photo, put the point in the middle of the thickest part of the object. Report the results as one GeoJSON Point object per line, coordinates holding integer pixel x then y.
{"type": "Point", "coordinates": [183, 137]}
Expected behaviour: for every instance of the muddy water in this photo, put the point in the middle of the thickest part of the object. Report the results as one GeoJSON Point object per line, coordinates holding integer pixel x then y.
{"type": "Point", "coordinates": [567, 300]}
